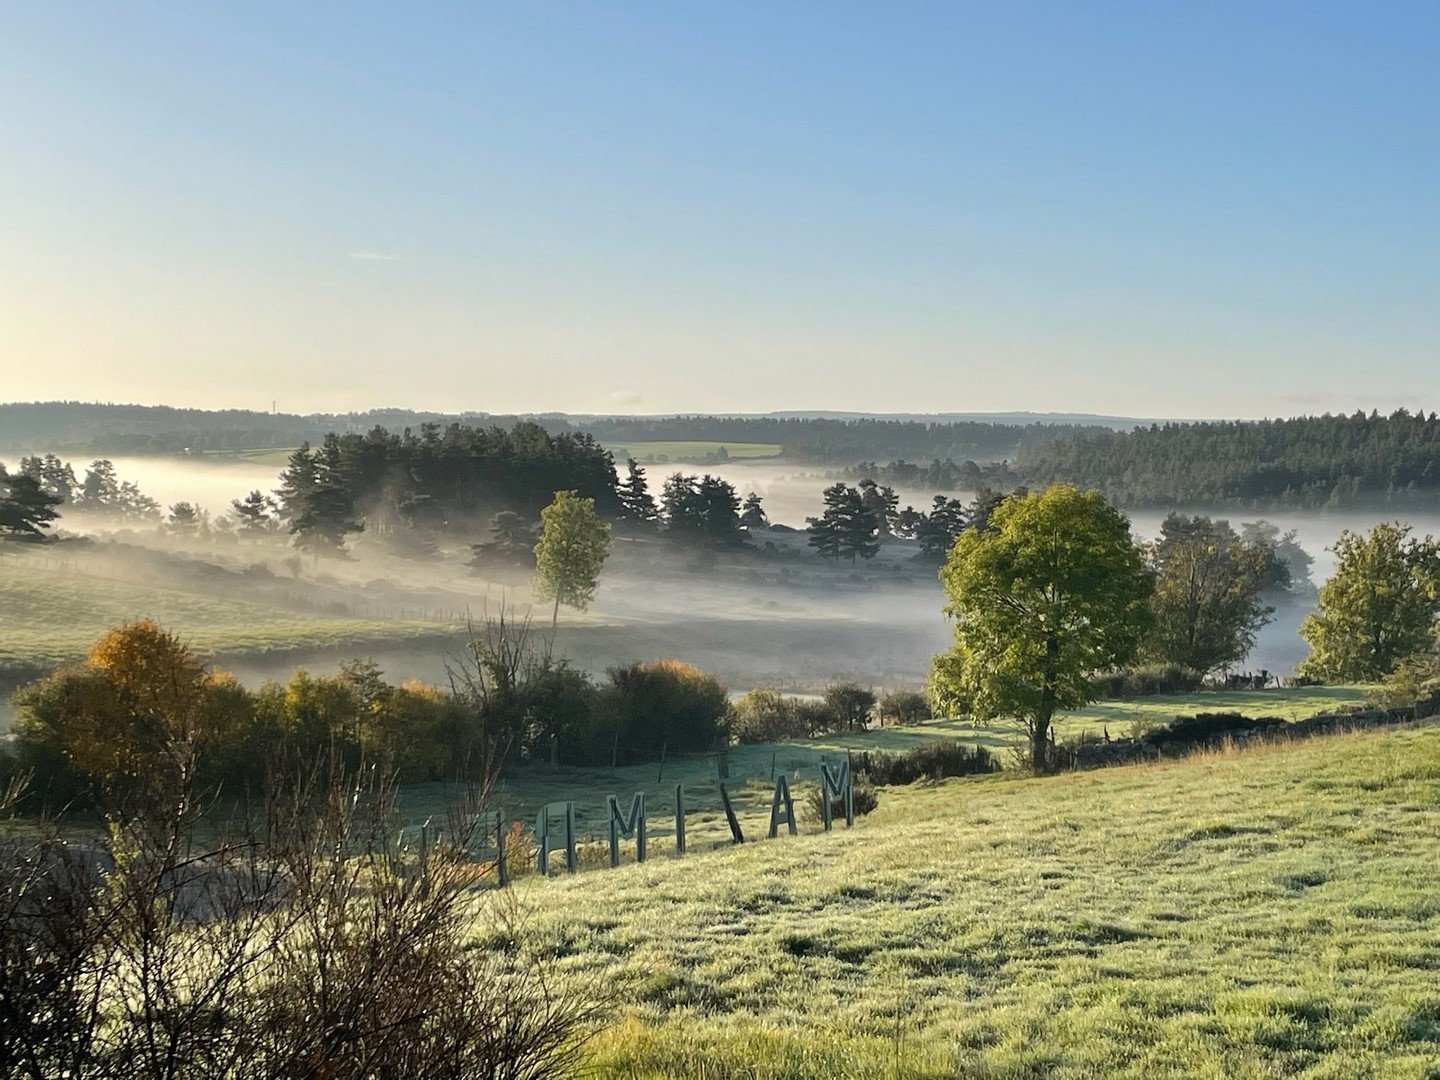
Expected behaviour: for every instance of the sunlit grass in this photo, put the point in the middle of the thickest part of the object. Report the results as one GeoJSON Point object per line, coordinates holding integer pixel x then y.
{"type": "Point", "coordinates": [1266, 913]}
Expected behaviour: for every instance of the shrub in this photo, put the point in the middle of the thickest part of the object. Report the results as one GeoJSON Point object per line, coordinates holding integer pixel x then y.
{"type": "Point", "coordinates": [310, 945]}
{"type": "Point", "coordinates": [1205, 728]}
{"type": "Point", "coordinates": [863, 799]}
{"type": "Point", "coordinates": [850, 704]}
{"type": "Point", "coordinates": [817, 717]}
{"type": "Point", "coordinates": [931, 761]}
{"type": "Point", "coordinates": [904, 707]}
{"type": "Point", "coordinates": [1148, 682]}
{"type": "Point", "coordinates": [767, 716]}
{"type": "Point", "coordinates": [664, 705]}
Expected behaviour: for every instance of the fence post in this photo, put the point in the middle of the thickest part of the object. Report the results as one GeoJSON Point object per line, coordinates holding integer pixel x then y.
{"type": "Point", "coordinates": [679, 819]}
{"type": "Point", "coordinates": [736, 836]}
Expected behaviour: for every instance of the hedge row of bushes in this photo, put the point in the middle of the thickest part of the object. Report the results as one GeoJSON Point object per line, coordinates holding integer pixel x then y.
{"type": "Point", "coordinates": [766, 715]}
{"type": "Point", "coordinates": [930, 761]}
{"type": "Point", "coordinates": [1147, 682]}
{"type": "Point", "coordinates": [143, 702]}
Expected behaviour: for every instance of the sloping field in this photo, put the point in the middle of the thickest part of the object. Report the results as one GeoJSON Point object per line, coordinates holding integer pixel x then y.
{"type": "Point", "coordinates": [49, 617]}
{"type": "Point", "coordinates": [752, 769]}
{"type": "Point", "coordinates": [1259, 914]}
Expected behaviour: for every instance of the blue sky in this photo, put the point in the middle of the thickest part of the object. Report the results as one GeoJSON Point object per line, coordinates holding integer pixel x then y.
{"type": "Point", "coordinates": [1164, 209]}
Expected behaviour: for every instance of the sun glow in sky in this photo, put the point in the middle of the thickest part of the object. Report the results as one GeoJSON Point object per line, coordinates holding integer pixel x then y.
{"type": "Point", "coordinates": [1219, 209]}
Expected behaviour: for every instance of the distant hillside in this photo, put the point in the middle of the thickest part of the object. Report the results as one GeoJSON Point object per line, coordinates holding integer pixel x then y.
{"type": "Point", "coordinates": [1015, 419]}
{"type": "Point", "coordinates": [96, 428]}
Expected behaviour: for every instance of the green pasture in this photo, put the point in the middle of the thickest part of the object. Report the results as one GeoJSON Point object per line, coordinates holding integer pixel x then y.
{"type": "Point", "coordinates": [261, 455]}
{"type": "Point", "coordinates": [753, 769]}
{"type": "Point", "coordinates": [1266, 913]}
{"type": "Point", "coordinates": [50, 617]}
{"type": "Point", "coordinates": [690, 451]}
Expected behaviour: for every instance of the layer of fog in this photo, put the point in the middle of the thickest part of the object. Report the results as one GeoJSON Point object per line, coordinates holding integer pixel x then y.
{"type": "Point", "coordinates": [793, 622]}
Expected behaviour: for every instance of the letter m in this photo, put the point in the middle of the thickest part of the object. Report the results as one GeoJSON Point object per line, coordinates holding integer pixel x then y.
{"type": "Point", "coordinates": [835, 784]}
{"type": "Point", "coordinates": [634, 825]}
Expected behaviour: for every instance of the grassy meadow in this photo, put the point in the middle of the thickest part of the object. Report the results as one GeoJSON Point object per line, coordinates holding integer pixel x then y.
{"type": "Point", "coordinates": [1264, 913]}
{"type": "Point", "coordinates": [52, 616]}
{"type": "Point", "coordinates": [752, 769]}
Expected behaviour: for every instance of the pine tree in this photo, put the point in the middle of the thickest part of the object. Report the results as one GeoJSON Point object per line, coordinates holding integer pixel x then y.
{"type": "Point", "coordinates": [752, 514]}
{"type": "Point", "coordinates": [100, 490]}
{"type": "Point", "coordinates": [297, 484]}
{"type": "Point", "coordinates": [637, 505]}
{"type": "Point", "coordinates": [25, 507]}
{"type": "Point", "coordinates": [54, 476]}
{"type": "Point", "coordinates": [184, 519]}
{"type": "Point", "coordinates": [684, 506]}
{"type": "Point", "coordinates": [315, 501]}
{"type": "Point", "coordinates": [253, 513]}
{"type": "Point", "coordinates": [721, 511]}
{"type": "Point", "coordinates": [826, 531]}
{"type": "Point", "coordinates": [883, 505]}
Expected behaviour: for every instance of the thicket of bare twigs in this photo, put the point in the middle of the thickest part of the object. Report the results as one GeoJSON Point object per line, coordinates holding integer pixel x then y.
{"type": "Point", "coordinates": [307, 942]}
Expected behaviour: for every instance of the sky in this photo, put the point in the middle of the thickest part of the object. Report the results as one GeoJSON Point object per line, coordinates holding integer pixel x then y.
{"type": "Point", "coordinates": [1152, 209]}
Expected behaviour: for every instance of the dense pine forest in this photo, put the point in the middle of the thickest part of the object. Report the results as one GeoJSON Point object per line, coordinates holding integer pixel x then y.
{"type": "Point", "coordinates": [1309, 462]}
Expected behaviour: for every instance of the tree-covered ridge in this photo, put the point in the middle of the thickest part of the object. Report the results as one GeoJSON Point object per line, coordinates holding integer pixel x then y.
{"type": "Point", "coordinates": [137, 429]}
{"type": "Point", "coordinates": [1305, 462]}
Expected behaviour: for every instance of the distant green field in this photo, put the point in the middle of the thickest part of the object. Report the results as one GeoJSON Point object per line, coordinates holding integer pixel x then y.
{"type": "Point", "coordinates": [263, 455]}
{"type": "Point", "coordinates": [53, 617]}
{"type": "Point", "coordinates": [690, 451]}
{"type": "Point", "coordinates": [1267, 913]}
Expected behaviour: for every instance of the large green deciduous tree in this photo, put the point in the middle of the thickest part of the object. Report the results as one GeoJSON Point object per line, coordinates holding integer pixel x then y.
{"type": "Point", "coordinates": [573, 545]}
{"type": "Point", "coordinates": [1207, 605]}
{"type": "Point", "coordinates": [1378, 609]}
{"type": "Point", "coordinates": [1052, 592]}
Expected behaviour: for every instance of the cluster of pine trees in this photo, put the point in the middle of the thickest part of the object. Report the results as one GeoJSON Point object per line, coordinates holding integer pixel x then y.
{"type": "Point", "coordinates": [857, 520]}
{"type": "Point", "coordinates": [30, 496]}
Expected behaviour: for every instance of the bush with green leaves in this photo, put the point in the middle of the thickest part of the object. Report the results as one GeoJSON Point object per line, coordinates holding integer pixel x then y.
{"type": "Point", "coordinates": [930, 761]}
{"type": "Point", "coordinates": [863, 800]}
{"type": "Point", "coordinates": [1147, 682]}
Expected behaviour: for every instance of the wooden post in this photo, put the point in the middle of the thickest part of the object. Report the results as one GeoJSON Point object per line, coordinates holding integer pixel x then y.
{"type": "Point", "coordinates": [679, 820]}
{"type": "Point", "coordinates": [661, 774]}
{"type": "Point", "coordinates": [736, 836]}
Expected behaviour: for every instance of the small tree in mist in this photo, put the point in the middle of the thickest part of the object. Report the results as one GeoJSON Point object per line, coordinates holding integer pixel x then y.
{"type": "Point", "coordinates": [511, 544]}
{"type": "Point", "coordinates": [254, 514]}
{"type": "Point", "coordinates": [186, 519]}
{"type": "Point", "coordinates": [752, 514]}
{"type": "Point", "coordinates": [573, 546]}
{"type": "Point", "coordinates": [26, 509]}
